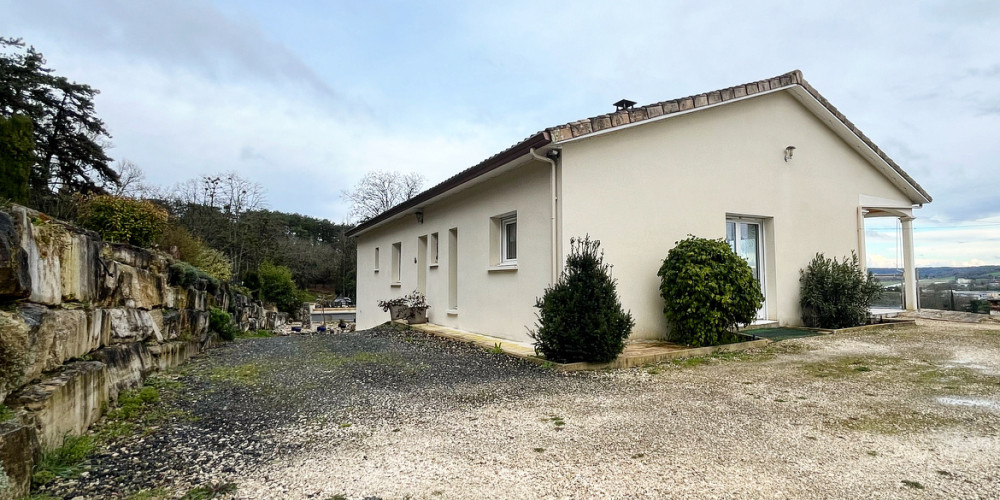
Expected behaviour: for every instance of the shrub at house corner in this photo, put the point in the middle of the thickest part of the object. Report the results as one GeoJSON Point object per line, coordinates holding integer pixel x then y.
{"type": "Point", "coordinates": [708, 290]}
{"type": "Point", "coordinates": [580, 317]}
{"type": "Point", "coordinates": [836, 294]}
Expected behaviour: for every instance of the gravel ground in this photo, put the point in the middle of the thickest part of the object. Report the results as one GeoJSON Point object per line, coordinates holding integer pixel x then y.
{"type": "Point", "coordinates": [907, 412]}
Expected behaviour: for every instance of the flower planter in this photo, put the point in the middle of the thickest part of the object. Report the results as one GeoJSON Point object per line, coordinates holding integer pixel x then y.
{"type": "Point", "coordinates": [416, 315]}
{"type": "Point", "coordinates": [398, 312]}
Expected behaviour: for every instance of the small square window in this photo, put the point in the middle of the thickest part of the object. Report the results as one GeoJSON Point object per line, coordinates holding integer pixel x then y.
{"type": "Point", "coordinates": [508, 240]}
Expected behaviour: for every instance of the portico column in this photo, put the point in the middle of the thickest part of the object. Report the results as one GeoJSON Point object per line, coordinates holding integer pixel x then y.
{"type": "Point", "coordinates": [909, 269]}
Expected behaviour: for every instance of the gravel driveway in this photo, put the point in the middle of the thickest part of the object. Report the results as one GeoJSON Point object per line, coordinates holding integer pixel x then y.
{"type": "Point", "coordinates": [908, 412]}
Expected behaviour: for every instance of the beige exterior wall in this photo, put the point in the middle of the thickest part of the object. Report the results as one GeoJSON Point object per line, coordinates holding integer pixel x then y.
{"type": "Point", "coordinates": [642, 188]}
{"type": "Point", "coordinates": [492, 302]}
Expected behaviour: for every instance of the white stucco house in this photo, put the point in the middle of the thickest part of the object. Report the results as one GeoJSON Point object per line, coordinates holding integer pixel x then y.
{"type": "Point", "coordinates": [771, 166]}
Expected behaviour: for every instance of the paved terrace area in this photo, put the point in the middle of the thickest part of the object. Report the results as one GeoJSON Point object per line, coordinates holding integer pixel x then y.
{"type": "Point", "coordinates": [637, 353]}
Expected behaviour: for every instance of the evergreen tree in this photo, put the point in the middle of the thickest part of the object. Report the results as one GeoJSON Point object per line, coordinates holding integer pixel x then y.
{"type": "Point", "coordinates": [69, 155]}
{"type": "Point", "coordinates": [580, 317]}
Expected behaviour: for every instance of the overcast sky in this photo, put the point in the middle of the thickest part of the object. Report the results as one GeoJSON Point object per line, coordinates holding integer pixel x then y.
{"type": "Point", "coordinates": [304, 97]}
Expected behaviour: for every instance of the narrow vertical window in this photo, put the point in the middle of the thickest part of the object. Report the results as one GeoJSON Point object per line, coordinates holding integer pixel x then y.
{"type": "Point", "coordinates": [376, 259]}
{"type": "Point", "coordinates": [453, 269]}
{"type": "Point", "coordinates": [397, 261]}
{"type": "Point", "coordinates": [434, 248]}
{"type": "Point", "coordinates": [508, 240]}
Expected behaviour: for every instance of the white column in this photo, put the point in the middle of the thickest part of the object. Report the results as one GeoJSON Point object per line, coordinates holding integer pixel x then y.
{"type": "Point", "coordinates": [862, 251]}
{"type": "Point", "coordinates": [909, 269]}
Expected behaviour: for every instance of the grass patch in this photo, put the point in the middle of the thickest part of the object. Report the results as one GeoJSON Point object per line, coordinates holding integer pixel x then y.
{"type": "Point", "coordinates": [896, 420]}
{"type": "Point", "coordinates": [690, 362]}
{"type": "Point", "coordinates": [207, 491]}
{"type": "Point", "coordinates": [64, 462]}
{"type": "Point", "coordinates": [912, 484]}
{"type": "Point", "coordinates": [539, 450]}
{"type": "Point", "coordinates": [850, 365]}
{"type": "Point", "coordinates": [255, 334]}
{"type": "Point", "coordinates": [556, 420]}
{"type": "Point", "coordinates": [332, 360]}
{"type": "Point", "coordinates": [139, 411]}
{"type": "Point", "coordinates": [150, 494]}
{"type": "Point", "coordinates": [245, 374]}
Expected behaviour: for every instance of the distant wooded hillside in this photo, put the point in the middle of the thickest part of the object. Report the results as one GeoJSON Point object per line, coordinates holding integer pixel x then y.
{"type": "Point", "coordinates": [976, 272]}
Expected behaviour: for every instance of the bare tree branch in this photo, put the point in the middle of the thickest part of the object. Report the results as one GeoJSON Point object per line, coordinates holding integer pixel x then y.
{"type": "Point", "coordinates": [380, 190]}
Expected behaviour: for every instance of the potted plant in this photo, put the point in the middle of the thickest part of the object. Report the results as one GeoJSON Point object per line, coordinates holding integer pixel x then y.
{"type": "Point", "coordinates": [395, 307]}
{"type": "Point", "coordinates": [411, 308]}
{"type": "Point", "coordinates": [416, 308]}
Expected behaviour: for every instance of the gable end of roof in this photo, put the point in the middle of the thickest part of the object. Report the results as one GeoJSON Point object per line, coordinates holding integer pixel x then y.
{"type": "Point", "coordinates": [583, 128]}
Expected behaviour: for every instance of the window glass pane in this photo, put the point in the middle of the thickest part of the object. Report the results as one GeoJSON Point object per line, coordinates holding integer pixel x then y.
{"type": "Point", "coordinates": [731, 235]}
{"type": "Point", "coordinates": [510, 230]}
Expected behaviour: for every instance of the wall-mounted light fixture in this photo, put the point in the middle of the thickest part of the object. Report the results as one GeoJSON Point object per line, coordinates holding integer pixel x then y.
{"type": "Point", "coordinates": [788, 152]}
{"type": "Point", "coordinates": [420, 216]}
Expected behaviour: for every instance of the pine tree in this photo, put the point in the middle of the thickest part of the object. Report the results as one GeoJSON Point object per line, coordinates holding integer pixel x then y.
{"type": "Point", "coordinates": [580, 317]}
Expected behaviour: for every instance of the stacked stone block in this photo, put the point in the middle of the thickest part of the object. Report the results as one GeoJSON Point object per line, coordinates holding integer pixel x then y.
{"type": "Point", "coordinates": [82, 320]}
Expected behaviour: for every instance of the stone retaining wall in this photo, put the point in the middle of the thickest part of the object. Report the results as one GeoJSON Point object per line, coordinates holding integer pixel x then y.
{"type": "Point", "coordinates": [82, 320]}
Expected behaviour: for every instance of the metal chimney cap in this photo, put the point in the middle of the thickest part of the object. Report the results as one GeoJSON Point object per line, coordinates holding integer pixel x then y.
{"type": "Point", "coordinates": [624, 104]}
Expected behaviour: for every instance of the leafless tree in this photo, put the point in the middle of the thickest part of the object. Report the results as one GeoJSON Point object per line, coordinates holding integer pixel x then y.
{"type": "Point", "coordinates": [380, 190]}
{"type": "Point", "coordinates": [131, 181]}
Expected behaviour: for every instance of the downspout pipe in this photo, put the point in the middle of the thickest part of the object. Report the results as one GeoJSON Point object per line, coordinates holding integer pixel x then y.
{"type": "Point", "coordinates": [552, 220]}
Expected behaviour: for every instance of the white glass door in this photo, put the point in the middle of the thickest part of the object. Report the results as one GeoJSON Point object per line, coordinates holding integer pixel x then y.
{"type": "Point", "coordinates": [745, 238]}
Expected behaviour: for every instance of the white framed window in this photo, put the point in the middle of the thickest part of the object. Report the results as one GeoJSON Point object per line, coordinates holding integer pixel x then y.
{"type": "Point", "coordinates": [397, 262]}
{"type": "Point", "coordinates": [376, 259]}
{"type": "Point", "coordinates": [508, 240]}
{"type": "Point", "coordinates": [434, 249]}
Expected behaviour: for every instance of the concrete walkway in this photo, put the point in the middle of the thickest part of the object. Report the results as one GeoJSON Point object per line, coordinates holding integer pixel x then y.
{"type": "Point", "coordinates": [637, 353]}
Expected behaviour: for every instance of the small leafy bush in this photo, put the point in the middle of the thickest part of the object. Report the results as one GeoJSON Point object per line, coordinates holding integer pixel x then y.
{"type": "Point", "coordinates": [836, 294]}
{"type": "Point", "coordinates": [708, 290]}
{"type": "Point", "coordinates": [123, 220]}
{"type": "Point", "coordinates": [274, 284]}
{"type": "Point", "coordinates": [221, 322]}
{"type": "Point", "coordinates": [180, 243]}
{"type": "Point", "coordinates": [185, 275]}
{"type": "Point", "coordinates": [580, 317]}
{"type": "Point", "coordinates": [215, 263]}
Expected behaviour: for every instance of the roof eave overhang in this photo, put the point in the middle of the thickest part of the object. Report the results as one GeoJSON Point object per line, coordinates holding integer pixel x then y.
{"type": "Point", "coordinates": [512, 156]}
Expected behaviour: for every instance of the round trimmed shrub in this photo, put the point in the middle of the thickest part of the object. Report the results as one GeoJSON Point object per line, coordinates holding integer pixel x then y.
{"type": "Point", "coordinates": [836, 294]}
{"type": "Point", "coordinates": [708, 291]}
{"type": "Point", "coordinates": [580, 317]}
